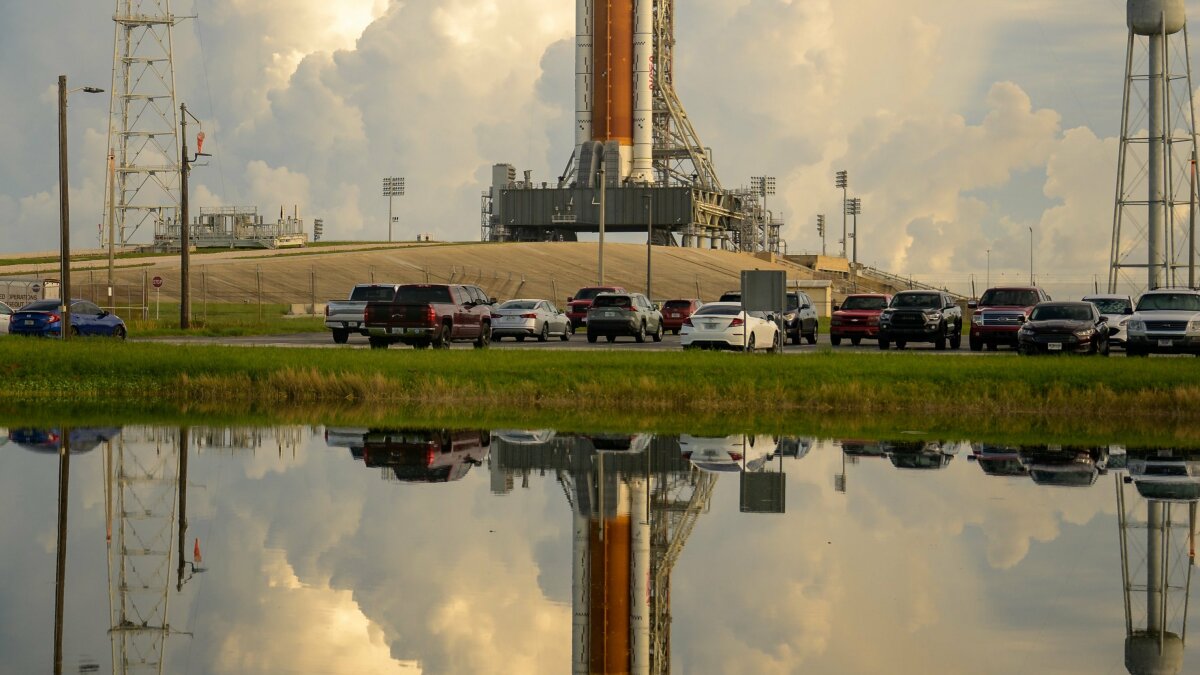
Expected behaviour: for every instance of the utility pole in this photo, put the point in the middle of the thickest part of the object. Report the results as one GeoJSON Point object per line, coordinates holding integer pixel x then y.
{"type": "Point", "coordinates": [112, 198]}
{"type": "Point", "coordinates": [843, 182]}
{"type": "Point", "coordinates": [821, 230]}
{"type": "Point", "coordinates": [64, 215]}
{"type": "Point", "coordinates": [854, 208]}
{"type": "Point", "coordinates": [185, 239]}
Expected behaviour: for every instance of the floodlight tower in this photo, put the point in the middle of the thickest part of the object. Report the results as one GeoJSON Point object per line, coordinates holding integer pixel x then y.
{"type": "Point", "coordinates": [1151, 190]}
{"type": "Point", "coordinates": [142, 185]}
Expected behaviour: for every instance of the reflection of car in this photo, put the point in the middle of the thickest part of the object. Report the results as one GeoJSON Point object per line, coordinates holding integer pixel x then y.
{"type": "Point", "coordinates": [726, 453]}
{"type": "Point", "coordinates": [1166, 321]}
{"type": "Point", "coordinates": [675, 312]}
{"type": "Point", "coordinates": [426, 455]}
{"type": "Point", "coordinates": [1064, 466]}
{"type": "Point", "coordinates": [524, 436]}
{"type": "Point", "coordinates": [794, 446]}
{"type": "Point", "coordinates": [1056, 327]}
{"type": "Point", "coordinates": [998, 460]}
{"type": "Point", "coordinates": [1166, 478]}
{"type": "Point", "coordinates": [5, 315]}
{"type": "Point", "coordinates": [524, 318]}
{"type": "Point", "coordinates": [620, 442]}
{"type": "Point", "coordinates": [857, 318]}
{"type": "Point", "coordinates": [918, 454]}
{"type": "Point", "coordinates": [921, 316]}
{"type": "Point", "coordinates": [861, 448]}
{"type": "Point", "coordinates": [723, 325]}
{"type": "Point", "coordinates": [82, 439]}
{"type": "Point", "coordinates": [41, 318]}
{"type": "Point", "coordinates": [1117, 309]}
{"type": "Point", "coordinates": [345, 437]}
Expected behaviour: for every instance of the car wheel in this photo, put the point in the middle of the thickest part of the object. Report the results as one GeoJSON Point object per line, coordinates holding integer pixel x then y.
{"type": "Point", "coordinates": [610, 338]}
{"type": "Point", "coordinates": [939, 343]}
{"type": "Point", "coordinates": [340, 336]}
{"type": "Point", "coordinates": [835, 340]}
{"type": "Point", "coordinates": [900, 344]}
{"type": "Point", "coordinates": [777, 345]}
{"type": "Point", "coordinates": [883, 344]}
{"type": "Point", "coordinates": [976, 345]}
{"type": "Point", "coordinates": [640, 335]}
{"type": "Point", "coordinates": [545, 334]}
{"type": "Point", "coordinates": [119, 332]}
{"type": "Point", "coordinates": [812, 337]}
{"type": "Point", "coordinates": [658, 334]}
{"type": "Point", "coordinates": [856, 341]}
{"type": "Point", "coordinates": [992, 346]}
{"type": "Point", "coordinates": [956, 339]}
{"type": "Point", "coordinates": [485, 336]}
{"type": "Point", "coordinates": [75, 331]}
{"type": "Point", "coordinates": [566, 334]}
{"type": "Point", "coordinates": [750, 344]}
{"type": "Point", "coordinates": [674, 331]}
{"type": "Point", "coordinates": [1022, 350]}
{"type": "Point", "coordinates": [442, 341]}
{"type": "Point", "coordinates": [377, 342]}
{"type": "Point", "coordinates": [591, 337]}
{"type": "Point", "coordinates": [519, 338]}
{"type": "Point", "coordinates": [1105, 348]}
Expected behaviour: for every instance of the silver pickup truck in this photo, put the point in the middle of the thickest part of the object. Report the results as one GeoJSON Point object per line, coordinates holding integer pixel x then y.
{"type": "Point", "coordinates": [344, 317]}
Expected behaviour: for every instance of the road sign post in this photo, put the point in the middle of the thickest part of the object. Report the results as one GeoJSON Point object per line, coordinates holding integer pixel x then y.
{"type": "Point", "coordinates": [158, 282]}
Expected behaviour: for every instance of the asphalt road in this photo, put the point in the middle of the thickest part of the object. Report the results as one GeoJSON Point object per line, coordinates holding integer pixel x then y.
{"type": "Point", "coordinates": [577, 342]}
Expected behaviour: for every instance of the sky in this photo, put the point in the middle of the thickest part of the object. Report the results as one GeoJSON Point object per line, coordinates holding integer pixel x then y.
{"type": "Point", "coordinates": [963, 126]}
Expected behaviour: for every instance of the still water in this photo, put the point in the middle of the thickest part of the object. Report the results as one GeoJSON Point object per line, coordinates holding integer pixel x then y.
{"type": "Point", "coordinates": [356, 550]}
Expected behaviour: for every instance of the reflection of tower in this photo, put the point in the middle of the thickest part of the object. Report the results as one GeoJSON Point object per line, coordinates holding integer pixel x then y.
{"type": "Point", "coordinates": [143, 479]}
{"type": "Point", "coordinates": [1151, 191]}
{"type": "Point", "coordinates": [633, 512]}
{"type": "Point", "coordinates": [1156, 549]}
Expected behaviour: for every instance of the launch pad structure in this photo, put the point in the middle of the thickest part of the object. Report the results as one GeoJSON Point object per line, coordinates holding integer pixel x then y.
{"type": "Point", "coordinates": [638, 163]}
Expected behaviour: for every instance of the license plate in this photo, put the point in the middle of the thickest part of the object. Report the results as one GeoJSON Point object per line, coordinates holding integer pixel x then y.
{"type": "Point", "coordinates": [1054, 346]}
{"type": "Point", "coordinates": [1166, 343]}
{"type": "Point", "coordinates": [674, 315]}
{"type": "Point", "coordinates": [710, 326]}
{"type": "Point", "coordinates": [610, 313]}
{"type": "Point", "coordinates": [28, 322]}
{"type": "Point", "coordinates": [352, 324]}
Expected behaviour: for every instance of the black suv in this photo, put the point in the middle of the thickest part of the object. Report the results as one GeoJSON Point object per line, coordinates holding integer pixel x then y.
{"type": "Point", "coordinates": [921, 316]}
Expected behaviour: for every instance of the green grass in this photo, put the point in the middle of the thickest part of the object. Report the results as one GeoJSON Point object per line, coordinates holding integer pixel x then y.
{"type": "Point", "coordinates": [224, 320]}
{"type": "Point", "coordinates": [1000, 395]}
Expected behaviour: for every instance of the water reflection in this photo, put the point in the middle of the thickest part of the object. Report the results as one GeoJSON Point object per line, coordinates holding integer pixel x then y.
{"type": "Point", "coordinates": [639, 504]}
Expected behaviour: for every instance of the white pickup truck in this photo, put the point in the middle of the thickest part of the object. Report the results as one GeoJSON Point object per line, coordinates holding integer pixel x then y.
{"type": "Point", "coordinates": [346, 316]}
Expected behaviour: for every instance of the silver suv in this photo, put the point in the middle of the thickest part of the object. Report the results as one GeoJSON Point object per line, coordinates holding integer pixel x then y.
{"type": "Point", "coordinates": [613, 314]}
{"type": "Point", "coordinates": [1167, 321]}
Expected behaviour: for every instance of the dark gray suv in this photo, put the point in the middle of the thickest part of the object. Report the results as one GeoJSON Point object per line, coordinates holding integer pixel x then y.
{"type": "Point", "coordinates": [613, 314]}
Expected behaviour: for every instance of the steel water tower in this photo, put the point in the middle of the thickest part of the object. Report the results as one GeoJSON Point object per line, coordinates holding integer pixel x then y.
{"type": "Point", "coordinates": [1155, 180]}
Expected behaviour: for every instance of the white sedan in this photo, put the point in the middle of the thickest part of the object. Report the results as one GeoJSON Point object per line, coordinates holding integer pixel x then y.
{"type": "Point", "coordinates": [6, 313]}
{"type": "Point", "coordinates": [530, 318]}
{"type": "Point", "coordinates": [723, 325]}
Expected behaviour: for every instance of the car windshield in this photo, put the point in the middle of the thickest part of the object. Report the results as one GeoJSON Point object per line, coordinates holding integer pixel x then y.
{"type": "Point", "coordinates": [731, 297]}
{"type": "Point", "coordinates": [1187, 302]}
{"type": "Point", "coordinates": [40, 306]}
{"type": "Point", "coordinates": [422, 295]}
{"type": "Point", "coordinates": [864, 303]}
{"type": "Point", "coordinates": [589, 293]}
{"type": "Point", "coordinates": [917, 300]}
{"type": "Point", "coordinates": [793, 301]}
{"type": "Point", "coordinates": [1111, 305]}
{"type": "Point", "coordinates": [1013, 297]}
{"type": "Point", "coordinates": [725, 309]}
{"type": "Point", "coordinates": [1061, 313]}
{"type": "Point", "coordinates": [677, 304]}
{"type": "Point", "coordinates": [373, 293]}
{"type": "Point", "coordinates": [519, 304]}
{"type": "Point", "coordinates": [611, 301]}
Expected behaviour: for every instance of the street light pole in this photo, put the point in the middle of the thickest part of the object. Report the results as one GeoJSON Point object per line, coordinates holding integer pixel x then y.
{"type": "Point", "coordinates": [843, 181]}
{"type": "Point", "coordinates": [185, 238]}
{"type": "Point", "coordinates": [393, 186]}
{"type": "Point", "coordinates": [64, 210]}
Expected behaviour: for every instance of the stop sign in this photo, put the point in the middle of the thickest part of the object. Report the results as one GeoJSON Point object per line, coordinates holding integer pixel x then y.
{"type": "Point", "coordinates": [157, 281]}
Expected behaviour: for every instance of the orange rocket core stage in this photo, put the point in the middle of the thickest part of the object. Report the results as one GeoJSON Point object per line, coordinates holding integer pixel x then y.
{"type": "Point", "coordinates": [608, 629]}
{"type": "Point", "coordinates": [612, 84]}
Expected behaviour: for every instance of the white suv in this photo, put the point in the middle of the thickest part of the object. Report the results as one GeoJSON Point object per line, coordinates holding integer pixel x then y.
{"type": "Point", "coordinates": [1167, 321]}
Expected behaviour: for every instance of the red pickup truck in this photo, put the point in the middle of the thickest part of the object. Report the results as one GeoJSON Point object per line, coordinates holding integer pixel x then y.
{"type": "Point", "coordinates": [422, 315]}
{"type": "Point", "coordinates": [1000, 313]}
{"type": "Point", "coordinates": [578, 304]}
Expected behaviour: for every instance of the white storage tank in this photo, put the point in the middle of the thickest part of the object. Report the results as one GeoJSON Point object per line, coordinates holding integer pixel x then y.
{"type": "Point", "coordinates": [1145, 17]}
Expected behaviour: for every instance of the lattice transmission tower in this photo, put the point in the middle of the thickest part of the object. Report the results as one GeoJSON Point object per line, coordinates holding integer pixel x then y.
{"type": "Point", "coordinates": [142, 185]}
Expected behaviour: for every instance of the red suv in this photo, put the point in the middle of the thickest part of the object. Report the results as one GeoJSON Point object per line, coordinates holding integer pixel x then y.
{"type": "Point", "coordinates": [675, 312]}
{"type": "Point", "coordinates": [577, 305]}
{"type": "Point", "coordinates": [1000, 313]}
{"type": "Point", "coordinates": [857, 318]}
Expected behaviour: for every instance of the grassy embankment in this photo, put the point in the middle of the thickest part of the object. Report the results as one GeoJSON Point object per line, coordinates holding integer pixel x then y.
{"type": "Point", "coordinates": [224, 319]}
{"type": "Point", "coordinates": [1002, 397]}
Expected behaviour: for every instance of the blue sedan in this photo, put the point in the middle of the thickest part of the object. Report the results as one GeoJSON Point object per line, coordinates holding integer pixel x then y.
{"type": "Point", "coordinates": [42, 318]}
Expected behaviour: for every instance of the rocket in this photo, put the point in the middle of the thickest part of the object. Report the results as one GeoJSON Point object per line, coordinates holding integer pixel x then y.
{"type": "Point", "coordinates": [614, 51]}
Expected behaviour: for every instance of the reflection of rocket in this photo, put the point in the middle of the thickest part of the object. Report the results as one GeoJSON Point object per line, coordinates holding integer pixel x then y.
{"type": "Point", "coordinates": [614, 45]}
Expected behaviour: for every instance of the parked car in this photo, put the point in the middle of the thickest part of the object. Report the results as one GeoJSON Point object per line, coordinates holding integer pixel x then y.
{"type": "Point", "coordinates": [998, 460]}
{"type": "Point", "coordinates": [1064, 466]}
{"type": "Point", "coordinates": [1165, 477]}
{"type": "Point", "coordinates": [675, 312]}
{"type": "Point", "coordinates": [857, 318]}
{"type": "Point", "coordinates": [724, 325]}
{"type": "Point", "coordinates": [921, 316]}
{"type": "Point", "coordinates": [41, 318]}
{"type": "Point", "coordinates": [344, 317]}
{"type": "Point", "coordinates": [424, 315]}
{"type": "Point", "coordinates": [614, 314]}
{"type": "Point", "coordinates": [530, 317]}
{"type": "Point", "coordinates": [49, 441]}
{"type": "Point", "coordinates": [5, 317]}
{"type": "Point", "coordinates": [426, 455]}
{"type": "Point", "coordinates": [620, 443]}
{"type": "Point", "coordinates": [918, 454]}
{"type": "Point", "coordinates": [1052, 327]}
{"type": "Point", "coordinates": [999, 313]}
{"type": "Point", "coordinates": [578, 304]}
{"type": "Point", "coordinates": [1167, 321]}
{"type": "Point", "coordinates": [1117, 309]}
{"type": "Point", "coordinates": [799, 315]}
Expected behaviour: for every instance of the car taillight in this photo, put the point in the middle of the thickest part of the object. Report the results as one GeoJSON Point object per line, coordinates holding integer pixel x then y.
{"type": "Point", "coordinates": [431, 314]}
{"type": "Point", "coordinates": [737, 321]}
{"type": "Point", "coordinates": [688, 322]}
{"type": "Point", "coordinates": [429, 457]}
{"type": "Point", "coordinates": [530, 315]}
{"type": "Point", "coordinates": [735, 456]}
{"type": "Point", "coordinates": [495, 316]}
{"type": "Point", "coordinates": [53, 318]}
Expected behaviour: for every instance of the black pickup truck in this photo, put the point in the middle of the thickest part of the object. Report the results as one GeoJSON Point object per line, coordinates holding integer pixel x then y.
{"type": "Point", "coordinates": [424, 315]}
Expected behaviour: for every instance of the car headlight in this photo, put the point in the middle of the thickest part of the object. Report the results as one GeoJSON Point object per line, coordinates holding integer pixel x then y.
{"type": "Point", "coordinates": [1085, 334]}
{"type": "Point", "coordinates": [1026, 330]}
{"type": "Point", "coordinates": [1193, 326]}
{"type": "Point", "coordinates": [1136, 326]}
{"type": "Point", "coordinates": [977, 319]}
{"type": "Point", "coordinates": [886, 315]}
{"type": "Point", "coordinates": [933, 317]}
